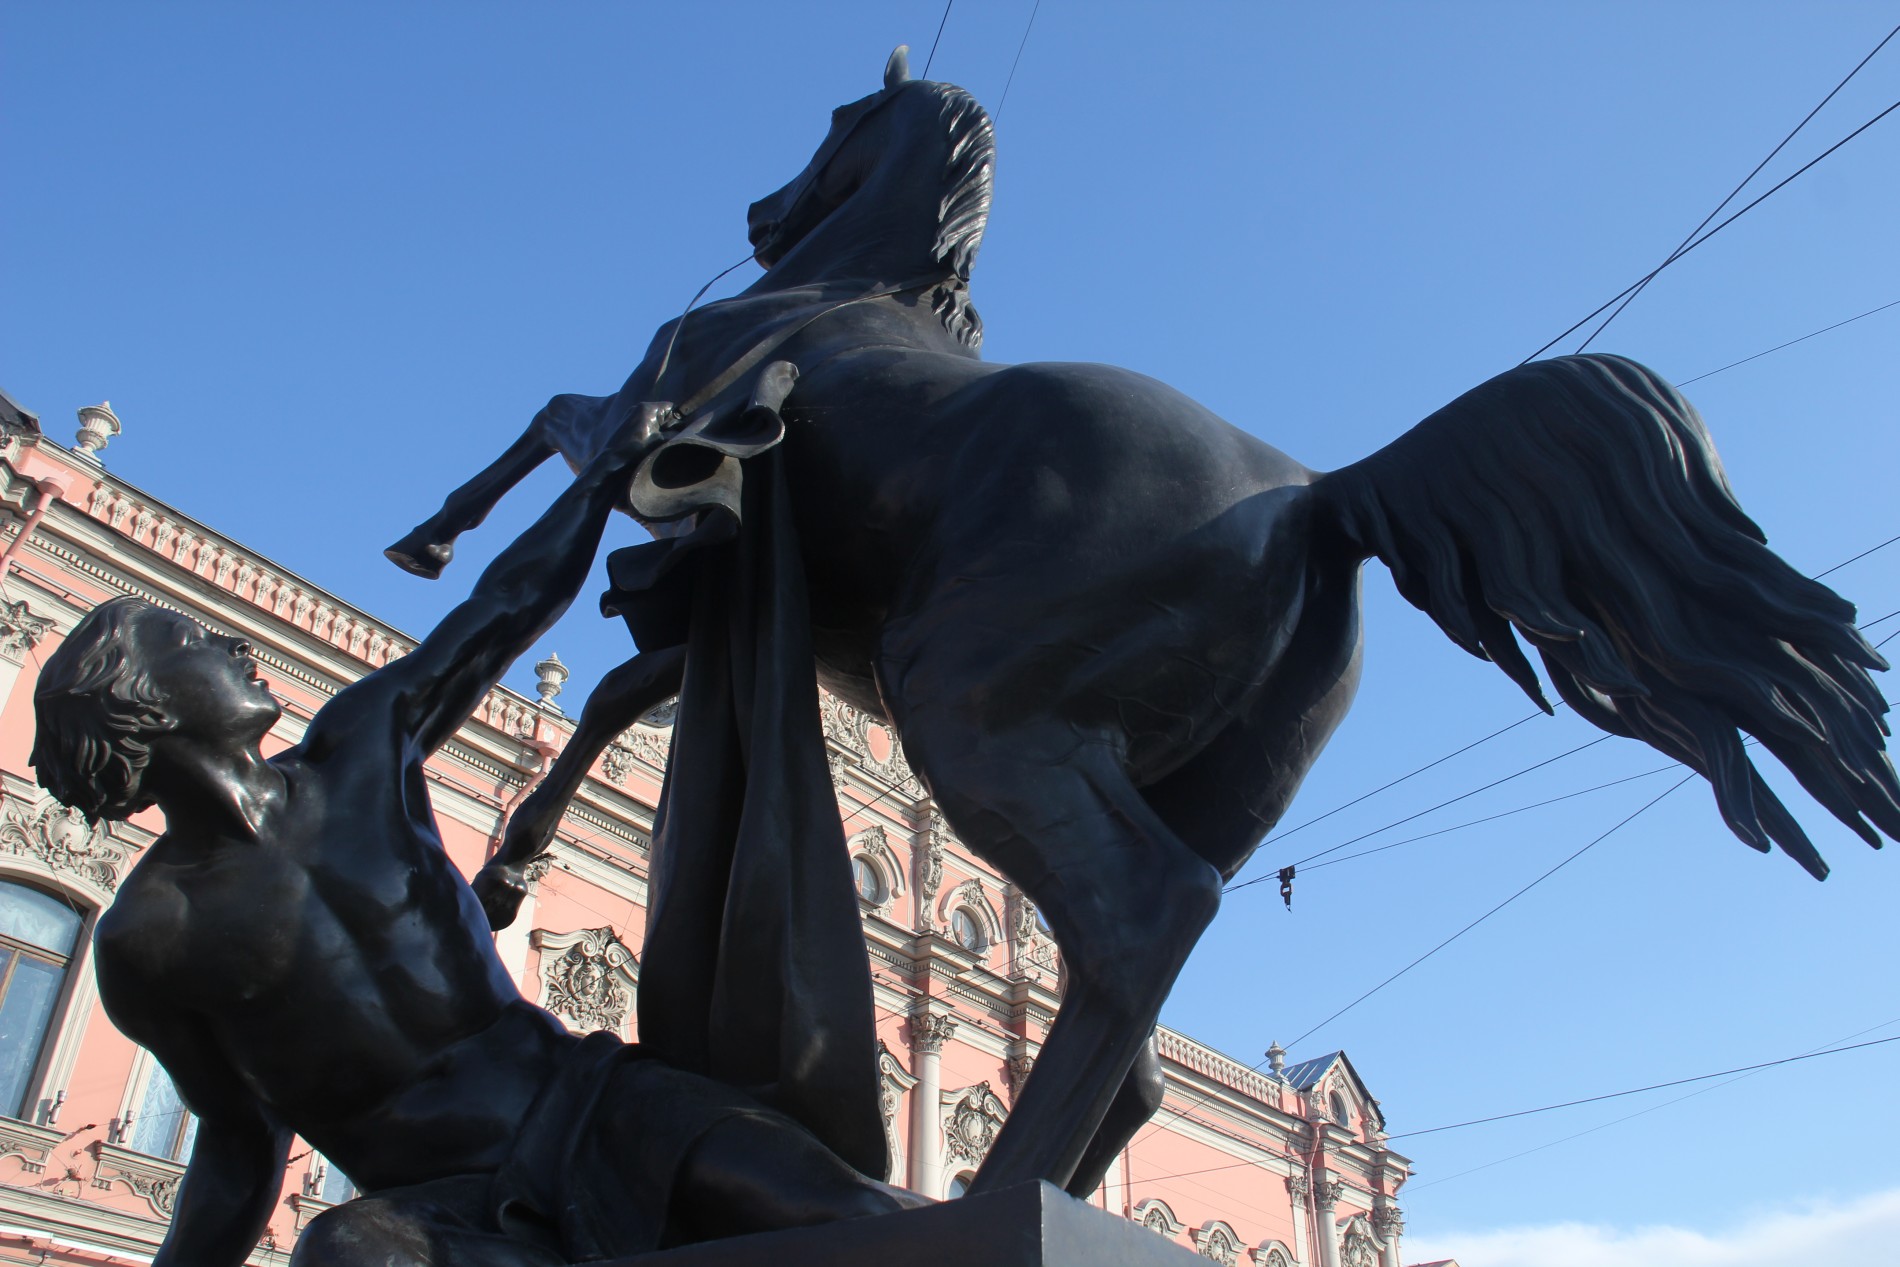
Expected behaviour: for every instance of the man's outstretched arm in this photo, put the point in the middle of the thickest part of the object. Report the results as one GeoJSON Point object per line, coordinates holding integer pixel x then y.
{"type": "Point", "coordinates": [432, 690]}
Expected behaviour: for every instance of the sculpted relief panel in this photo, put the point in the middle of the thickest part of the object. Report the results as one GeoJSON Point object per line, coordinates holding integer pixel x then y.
{"type": "Point", "coordinates": [589, 978]}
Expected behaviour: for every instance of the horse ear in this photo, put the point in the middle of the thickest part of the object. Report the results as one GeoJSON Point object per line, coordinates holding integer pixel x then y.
{"type": "Point", "coordinates": [897, 70]}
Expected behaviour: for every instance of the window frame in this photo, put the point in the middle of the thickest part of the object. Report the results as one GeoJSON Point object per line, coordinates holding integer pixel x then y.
{"type": "Point", "coordinates": [56, 1045]}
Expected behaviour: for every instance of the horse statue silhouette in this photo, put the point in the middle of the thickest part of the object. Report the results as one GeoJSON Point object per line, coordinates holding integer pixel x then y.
{"type": "Point", "coordinates": [1114, 632]}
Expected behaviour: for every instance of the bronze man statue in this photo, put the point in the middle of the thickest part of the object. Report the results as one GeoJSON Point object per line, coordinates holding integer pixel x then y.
{"type": "Point", "coordinates": [302, 956]}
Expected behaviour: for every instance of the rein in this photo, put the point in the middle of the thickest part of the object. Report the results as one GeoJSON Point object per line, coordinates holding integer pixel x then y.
{"type": "Point", "coordinates": [778, 338]}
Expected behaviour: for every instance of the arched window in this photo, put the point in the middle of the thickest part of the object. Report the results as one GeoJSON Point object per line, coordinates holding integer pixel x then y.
{"type": "Point", "coordinates": [967, 931]}
{"type": "Point", "coordinates": [163, 1126]}
{"type": "Point", "coordinates": [1338, 1104]}
{"type": "Point", "coordinates": [37, 935]}
{"type": "Point", "coordinates": [960, 1185]}
{"type": "Point", "coordinates": [868, 878]}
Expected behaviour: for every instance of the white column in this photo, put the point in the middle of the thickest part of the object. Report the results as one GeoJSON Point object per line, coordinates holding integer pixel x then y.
{"type": "Point", "coordinates": [1388, 1222]}
{"type": "Point", "coordinates": [1326, 1192]}
{"type": "Point", "coordinates": [929, 1031]}
{"type": "Point", "coordinates": [1300, 1191]}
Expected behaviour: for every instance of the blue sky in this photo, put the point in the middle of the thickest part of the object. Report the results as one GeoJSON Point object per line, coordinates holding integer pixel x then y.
{"type": "Point", "coordinates": [325, 262]}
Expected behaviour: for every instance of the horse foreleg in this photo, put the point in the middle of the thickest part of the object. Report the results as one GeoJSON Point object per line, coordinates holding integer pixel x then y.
{"type": "Point", "coordinates": [427, 548]}
{"type": "Point", "coordinates": [624, 695]}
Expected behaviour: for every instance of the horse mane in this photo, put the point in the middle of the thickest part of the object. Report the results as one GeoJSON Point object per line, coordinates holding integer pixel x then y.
{"type": "Point", "coordinates": [964, 210]}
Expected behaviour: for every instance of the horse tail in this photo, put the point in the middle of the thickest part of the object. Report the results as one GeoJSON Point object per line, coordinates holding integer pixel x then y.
{"type": "Point", "coordinates": [1580, 502]}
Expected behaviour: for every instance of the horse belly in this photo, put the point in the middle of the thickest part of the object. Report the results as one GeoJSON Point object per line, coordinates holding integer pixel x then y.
{"type": "Point", "coordinates": [1157, 654]}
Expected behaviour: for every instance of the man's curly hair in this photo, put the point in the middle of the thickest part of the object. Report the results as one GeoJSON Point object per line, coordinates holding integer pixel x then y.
{"type": "Point", "coordinates": [96, 710]}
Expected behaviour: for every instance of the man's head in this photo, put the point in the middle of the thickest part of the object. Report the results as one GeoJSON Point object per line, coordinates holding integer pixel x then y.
{"type": "Point", "coordinates": [131, 679]}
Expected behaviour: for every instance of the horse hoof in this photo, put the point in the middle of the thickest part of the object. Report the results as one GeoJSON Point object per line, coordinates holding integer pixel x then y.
{"type": "Point", "coordinates": [423, 559]}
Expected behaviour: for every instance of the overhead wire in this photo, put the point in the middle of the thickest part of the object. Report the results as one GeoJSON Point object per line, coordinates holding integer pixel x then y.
{"type": "Point", "coordinates": [1024, 43]}
{"type": "Point", "coordinates": [1412, 1189]}
{"type": "Point", "coordinates": [1593, 843]}
{"type": "Point", "coordinates": [1782, 184]}
{"type": "Point", "coordinates": [1747, 1071]}
{"type": "Point", "coordinates": [1790, 343]}
{"type": "Point", "coordinates": [933, 43]}
{"type": "Point", "coordinates": [1654, 1086]}
{"type": "Point", "coordinates": [1782, 144]}
{"type": "Point", "coordinates": [1515, 774]}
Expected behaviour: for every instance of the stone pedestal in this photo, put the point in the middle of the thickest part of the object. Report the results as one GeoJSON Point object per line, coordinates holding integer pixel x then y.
{"type": "Point", "coordinates": [1034, 1225]}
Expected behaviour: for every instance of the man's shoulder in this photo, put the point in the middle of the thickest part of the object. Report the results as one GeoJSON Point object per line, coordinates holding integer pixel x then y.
{"type": "Point", "coordinates": [364, 711]}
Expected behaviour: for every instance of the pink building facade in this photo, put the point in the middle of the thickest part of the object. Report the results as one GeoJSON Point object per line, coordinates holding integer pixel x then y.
{"type": "Point", "coordinates": [1282, 1167]}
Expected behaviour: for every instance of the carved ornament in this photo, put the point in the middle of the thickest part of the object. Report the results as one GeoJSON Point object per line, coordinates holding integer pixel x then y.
{"type": "Point", "coordinates": [153, 1178]}
{"type": "Point", "coordinates": [20, 630]}
{"type": "Point", "coordinates": [929, 1031]}
{"type": "Point", "coordinates": [59, 836]}
{"type": "Point", "coordinates": [1356, 1247]}
{"type": "Point", "coordinates": [1217, 1242]}
{"type": "Point", "coordinates": [975, 1118]}
{"type": "Point", "coordinates": [588, 978]}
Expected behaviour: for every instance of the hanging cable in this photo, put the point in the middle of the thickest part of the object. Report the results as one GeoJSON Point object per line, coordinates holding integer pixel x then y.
{"type": "Point", "coordinates": [1680, 246]}
{"type": "Point", "coordinates": [1790, 343]}
{"type": "Point", "coordinates": [933, 44]}
{"type": "Point", "coordinates": [1516, 774]}
{"type": "Point", "coordinates": [1594, 842]}
{"type": "Point", "coordinates": [1644, 280]}
{"type": "Point", "coordinates": [1027, 28]}
{"type": "Point", "coordinates": [1654, 1086]}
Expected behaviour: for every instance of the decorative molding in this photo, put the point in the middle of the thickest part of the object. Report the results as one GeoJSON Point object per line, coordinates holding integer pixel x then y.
{"type": "Point", "coordinates": [897, 1081]}
{"type": "Point", "coordinates": [1326, 1193]}
{"type": "Point", "coordinates": [1154, 1214]}
{"type": "Point", "coordinates": [20, 630]}
{"type": "Point", "coordinates": [1273, 1253]}
{"type": "Point", "coordinates": [1020, 1063]}
{"type": "Point", "coordinates": [33, 1145]}
{"type": "Point", "coordinates": [588, 977]}
{"type": "Point", "coordinates": [153, 1178]}
{"type": "Point", "coordinates": [59, 837]}
{"type": "Point", "coordinates": [1033, 955]}
{"type": "Point", "coordinates": [1298, 1188]}
{"type": "Point", "coordinates": [929, 1031]}
{"type": "Point", "coordinates": [640, 743]}
{"type": "Point", "coordinates": [1219, 1242]}
{"type": "Point", "coordinates": [929, 860]}
{"type": "Point", "coordinates": [843, 724]}
{"type": "Point", "coordinates": [1388, 1222]}
{"type": "Point", "coordinates": [1356, 1245]}
{"type": "Point", "coordinates": [850, 732]}
{"type": "Point", "coordinates": [975, 1117]}
{"type": "Point", "coordinates": [894, 1082]}
{"type": "Point", "coordinates": [970, 896]}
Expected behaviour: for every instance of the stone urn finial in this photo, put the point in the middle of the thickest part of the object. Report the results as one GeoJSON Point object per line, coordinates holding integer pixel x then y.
{"type": "Point", "coordinates": [1276, 1060]}
{"type": "Point", "coordinates": [97, 425]}
{"type": "Point", "coordinates": [552, 674]}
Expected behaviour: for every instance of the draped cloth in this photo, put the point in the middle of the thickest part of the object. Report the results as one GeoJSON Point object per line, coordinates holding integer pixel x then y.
{"type": "Point", "coordinates": [754, 970]}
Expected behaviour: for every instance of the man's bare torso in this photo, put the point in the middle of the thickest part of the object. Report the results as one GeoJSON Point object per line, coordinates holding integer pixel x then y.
{"type": "Point", "coordinates": [317, 961]}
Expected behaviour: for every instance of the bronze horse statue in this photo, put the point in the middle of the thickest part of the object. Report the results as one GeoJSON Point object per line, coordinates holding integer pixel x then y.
{"type": "Point", "coordinates": [1113, 631]}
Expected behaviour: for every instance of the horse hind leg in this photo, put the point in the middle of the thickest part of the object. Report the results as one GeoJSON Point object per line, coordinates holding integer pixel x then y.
{"type": "Point", "coordinates": [1140, 1096]}
{"type": "Point", "coordinates": [1124, 896]}
{"type": "Point", "coordinates": [427, 548]}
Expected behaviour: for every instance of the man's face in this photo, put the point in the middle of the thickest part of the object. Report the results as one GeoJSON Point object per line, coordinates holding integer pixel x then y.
{"type": "Point", "coordinates": [208, 681]}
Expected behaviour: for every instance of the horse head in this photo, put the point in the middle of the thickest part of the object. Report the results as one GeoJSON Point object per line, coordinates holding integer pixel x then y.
{"type": "Point", "coordinates": [901, 183]}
